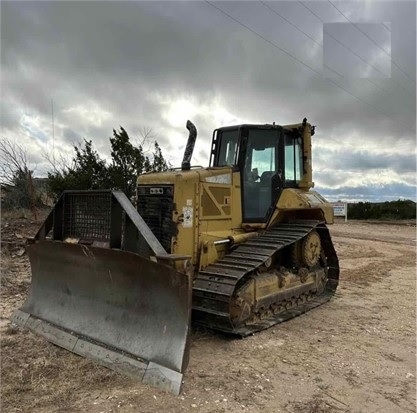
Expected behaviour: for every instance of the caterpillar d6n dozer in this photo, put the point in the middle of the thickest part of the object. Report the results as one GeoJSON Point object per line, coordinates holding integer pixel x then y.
{"type": "Point", "coordinates": [242, 245]}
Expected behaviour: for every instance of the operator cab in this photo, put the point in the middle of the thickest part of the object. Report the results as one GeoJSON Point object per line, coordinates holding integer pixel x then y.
{"type": "Point", "coordinates": [269, 158]}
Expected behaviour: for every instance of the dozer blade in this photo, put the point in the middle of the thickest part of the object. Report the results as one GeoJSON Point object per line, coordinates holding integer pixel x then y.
{"type": "Point", "coordinates": [115, 307]}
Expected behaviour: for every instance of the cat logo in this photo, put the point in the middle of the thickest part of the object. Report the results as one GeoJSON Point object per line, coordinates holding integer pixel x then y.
{"type": "Point", "coordinates": [156, 191]}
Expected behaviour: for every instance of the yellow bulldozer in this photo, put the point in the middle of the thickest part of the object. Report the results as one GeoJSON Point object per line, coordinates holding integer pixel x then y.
{"type": "Point", "coordinates": [238, 247]}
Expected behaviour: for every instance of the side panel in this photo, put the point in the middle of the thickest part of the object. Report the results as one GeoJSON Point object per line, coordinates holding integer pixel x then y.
{"type": "Point", "coordinates": [185, 213]}
{"type": "Point", "coordinates": [220, 213]}
{"type": "Point", "coordinates": [301, 204]}
{"type": "Point", "coordinates": [220, 202]}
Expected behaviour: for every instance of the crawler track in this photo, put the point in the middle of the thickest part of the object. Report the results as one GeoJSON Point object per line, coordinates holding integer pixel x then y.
{"type": "Point", "coordinates": [215, 286]}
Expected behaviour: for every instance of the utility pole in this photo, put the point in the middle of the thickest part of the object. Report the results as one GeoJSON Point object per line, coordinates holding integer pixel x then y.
{"type": "Point", "coordinates": [53, 131]}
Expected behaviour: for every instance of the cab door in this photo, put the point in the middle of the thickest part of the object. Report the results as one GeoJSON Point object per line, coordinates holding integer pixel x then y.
{"type": "Point", "coordinates": [261, 165]}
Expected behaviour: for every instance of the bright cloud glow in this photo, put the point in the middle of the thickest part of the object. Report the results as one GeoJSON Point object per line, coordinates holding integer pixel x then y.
{"type": "Point", "coordinates": [89, 114]}
{"type": "Point", "coordinates": [179, 111]}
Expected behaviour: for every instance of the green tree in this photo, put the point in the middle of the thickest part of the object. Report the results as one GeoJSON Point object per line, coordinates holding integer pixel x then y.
{"type": "Point", "coordinates": [89, 171]}
{"type": "Point", "coordinates": [401, 209]}
{"type": "Point", "coordinates": [159, 163]}
{"type": "Point", "coordinates": [127, 162]}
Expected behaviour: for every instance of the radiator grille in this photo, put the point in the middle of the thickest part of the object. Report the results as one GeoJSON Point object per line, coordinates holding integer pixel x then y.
{"type": "Point", "coordinates": [155, 205]}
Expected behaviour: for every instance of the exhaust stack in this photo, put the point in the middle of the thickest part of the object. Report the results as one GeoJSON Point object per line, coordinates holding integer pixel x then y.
{"type": "Point", "coordinates": [188, 153]}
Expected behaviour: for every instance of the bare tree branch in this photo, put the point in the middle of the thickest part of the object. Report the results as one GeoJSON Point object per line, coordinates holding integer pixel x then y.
{"type": "Point", "coordinates": [58, 165]}
{"type": "Point", "coordinates": [14, 171]}
{"type": "Point", "coordinates": [13, 161]}
{"type": "Point", "coordinates": [146, 140]}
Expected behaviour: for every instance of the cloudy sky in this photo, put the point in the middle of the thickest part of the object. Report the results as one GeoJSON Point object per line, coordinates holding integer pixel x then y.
{"type": "Point", "coordinates": [348, 66]}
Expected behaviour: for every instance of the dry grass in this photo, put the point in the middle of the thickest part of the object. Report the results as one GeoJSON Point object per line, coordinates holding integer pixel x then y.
{"type": "Point", "coordinates": [27, 376]}
{"type": "Point", "coordinates": [22, 213]}
{"type": "Point", "coordinates": [14, 274]}
{"type": "Point", "coordinates": [31, 366]}
{"type": "Point", "coordinates": [317, 405]}
{"type": "Point", "coordinates": [17, 224]}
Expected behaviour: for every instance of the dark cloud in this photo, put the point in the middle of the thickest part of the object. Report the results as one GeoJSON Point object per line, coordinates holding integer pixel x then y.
{"type": "Point", "coordinates": [106, 64]}
{"type": "Point", "coordinates": [71, 136]}
{"type": "Point", "coordinates": [365, 161]}
{"type": "Point", "coordinates": [356, 55]}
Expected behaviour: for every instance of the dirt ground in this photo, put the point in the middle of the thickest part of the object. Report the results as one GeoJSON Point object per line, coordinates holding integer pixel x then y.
{"type": "Point", "coordinates": [356, 353]}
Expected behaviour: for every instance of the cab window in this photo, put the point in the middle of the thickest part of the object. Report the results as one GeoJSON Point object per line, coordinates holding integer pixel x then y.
{"type": "Point", "coordinates": [293, 160]}
{"type": "Point", "coordinates": [228, 148]}
{"type": "Point", "coordinates": [261, 164]}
